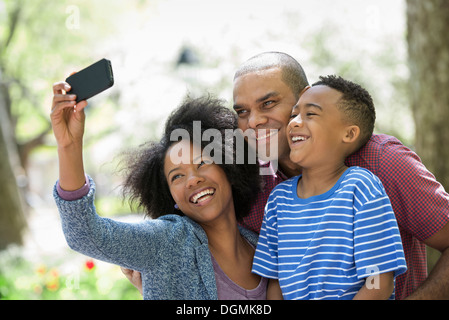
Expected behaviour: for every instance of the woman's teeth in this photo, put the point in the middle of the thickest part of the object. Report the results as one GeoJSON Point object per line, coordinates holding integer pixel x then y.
{"type": "Point", "coordinates": [196, 198]}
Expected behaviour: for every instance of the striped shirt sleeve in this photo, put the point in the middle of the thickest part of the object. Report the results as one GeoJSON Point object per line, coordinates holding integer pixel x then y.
{"type": "Point", "coordinates": [377, 242]}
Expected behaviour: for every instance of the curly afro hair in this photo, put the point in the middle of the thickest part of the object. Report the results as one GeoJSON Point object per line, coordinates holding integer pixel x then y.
{"type": "Point", "coordinates": [145, 183]}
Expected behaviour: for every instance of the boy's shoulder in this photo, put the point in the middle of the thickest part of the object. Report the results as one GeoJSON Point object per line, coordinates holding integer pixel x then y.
{"type": "Point", "coordinates": [364, 181]}
{"type": "Point", "coordinates": [356, 172]}
{"type": "Point", "coordinates": [286, 185]}
{"type": "Point", "coordinates": [285, 189]}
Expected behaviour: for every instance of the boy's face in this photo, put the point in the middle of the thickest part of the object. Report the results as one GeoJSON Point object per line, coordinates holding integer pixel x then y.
{"type": "Point", "coordinates": [316, 128]}
{"type": "Point", "coordinates": [262, 100]}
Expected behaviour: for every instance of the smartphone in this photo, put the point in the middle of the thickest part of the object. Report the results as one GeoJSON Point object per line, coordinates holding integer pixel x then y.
{"type": "Point", "coordinates": [92, 80]}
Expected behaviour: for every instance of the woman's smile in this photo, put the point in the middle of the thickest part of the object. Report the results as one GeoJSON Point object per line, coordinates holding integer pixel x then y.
{"type": "Point", "coordinates": [202, 197]}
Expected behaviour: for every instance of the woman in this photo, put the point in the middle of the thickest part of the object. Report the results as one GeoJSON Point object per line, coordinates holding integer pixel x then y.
{"type": "Point", "coordinates": [192, 248]}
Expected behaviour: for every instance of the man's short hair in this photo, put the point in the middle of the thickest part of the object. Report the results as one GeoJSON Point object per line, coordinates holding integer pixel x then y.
{"type": "Point", "coordinates": [292, 72]}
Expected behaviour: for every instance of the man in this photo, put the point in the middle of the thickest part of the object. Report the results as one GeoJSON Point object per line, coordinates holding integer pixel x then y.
{"type": "Point", "coordinates": [267, 86]}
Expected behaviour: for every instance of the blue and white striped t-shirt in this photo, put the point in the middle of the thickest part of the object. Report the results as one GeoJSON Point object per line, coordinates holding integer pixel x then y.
{"type": "Point", "coordinates": [324, 247]}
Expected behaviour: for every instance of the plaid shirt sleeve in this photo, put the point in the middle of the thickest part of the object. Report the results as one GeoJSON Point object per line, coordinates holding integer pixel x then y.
{"type": "Point", "coordinates": [420, 203]}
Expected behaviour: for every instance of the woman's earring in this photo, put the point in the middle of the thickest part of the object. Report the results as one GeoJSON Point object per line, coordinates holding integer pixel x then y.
{"type": "Point", "coordinates": [176, 206]}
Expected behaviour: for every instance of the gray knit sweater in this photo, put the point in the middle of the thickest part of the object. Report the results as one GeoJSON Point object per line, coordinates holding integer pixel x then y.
{"type": "Point", "coordinates": [171, 252]}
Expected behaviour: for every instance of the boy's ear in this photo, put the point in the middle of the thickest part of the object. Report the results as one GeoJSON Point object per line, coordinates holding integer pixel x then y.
{"type": "Point", "coordinates": [351, 134]}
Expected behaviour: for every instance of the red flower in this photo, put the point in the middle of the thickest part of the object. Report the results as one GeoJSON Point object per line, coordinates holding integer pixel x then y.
{"type": "Point", "coordinates": [53, 285]}
{"type": "Point", "coordinates": [90, 264]}
{"type": "Point", "coordinates": [41, 270]}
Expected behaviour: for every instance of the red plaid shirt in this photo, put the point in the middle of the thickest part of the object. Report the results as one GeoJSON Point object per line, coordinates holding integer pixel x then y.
{"type": "Point", "coordinates": [420, 203]}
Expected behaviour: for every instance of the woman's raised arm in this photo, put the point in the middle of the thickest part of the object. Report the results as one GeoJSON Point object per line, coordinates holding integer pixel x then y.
{"type": "Point", "coordinates": [67, 119]}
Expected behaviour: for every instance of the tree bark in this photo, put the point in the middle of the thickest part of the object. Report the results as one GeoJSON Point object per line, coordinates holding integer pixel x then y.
{"type": "Point", "coordinates": [12, 221]}
{"type": "Point", "coordinates": [428, 49]}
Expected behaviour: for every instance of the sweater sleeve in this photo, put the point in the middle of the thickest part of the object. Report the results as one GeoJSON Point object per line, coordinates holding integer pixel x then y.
{"type": "Point", "coordinates": [132, 245]}
{"type": "Point", "coordinates": [76, 194]}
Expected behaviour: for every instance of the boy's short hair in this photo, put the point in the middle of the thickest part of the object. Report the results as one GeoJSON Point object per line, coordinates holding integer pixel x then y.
{"type": "Point", "coordinates": [356, 104]}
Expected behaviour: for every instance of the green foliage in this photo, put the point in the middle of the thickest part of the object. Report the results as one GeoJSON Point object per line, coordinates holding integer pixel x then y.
{"type": "Point", "coordinates": [382, 70]}
{"type": "Point", "coordinates": [32, 58]}
{"type": "Point", "coordinates": [72, 277]}
{"type": "Point", "coordinates": [113, 206]}
{"type": "Point", "coordinates": [42, 42]}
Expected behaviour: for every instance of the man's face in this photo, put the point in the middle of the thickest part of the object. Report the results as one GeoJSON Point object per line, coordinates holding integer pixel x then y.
{"type": "Point", "coordinates": [263, 101]}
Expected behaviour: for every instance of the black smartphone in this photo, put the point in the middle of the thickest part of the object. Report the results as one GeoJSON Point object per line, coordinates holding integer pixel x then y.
{"type": "Point", "coordinates": [92, 80]}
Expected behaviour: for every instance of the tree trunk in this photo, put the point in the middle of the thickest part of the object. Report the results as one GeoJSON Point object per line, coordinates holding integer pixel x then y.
{"type": "Point", "coordinates": [12, 221]}
{"type": "Point", "coordinates": [428, 49]}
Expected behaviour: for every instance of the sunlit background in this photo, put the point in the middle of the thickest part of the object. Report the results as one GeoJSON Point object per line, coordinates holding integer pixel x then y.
{"type": "Point", "coordinates": [161, 51]}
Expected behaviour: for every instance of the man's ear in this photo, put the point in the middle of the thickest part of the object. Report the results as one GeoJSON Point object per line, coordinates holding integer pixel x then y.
{"type": "Point", "coordinates": [304, 90]}
{"type": "Point", "coordinates": [351, 134]}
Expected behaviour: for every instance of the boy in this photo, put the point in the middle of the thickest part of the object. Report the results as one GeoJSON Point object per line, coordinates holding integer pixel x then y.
{"type": "Point", "coordinates": [330, 233]}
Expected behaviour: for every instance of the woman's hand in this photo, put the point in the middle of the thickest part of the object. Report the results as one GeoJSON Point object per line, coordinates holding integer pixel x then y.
{"type": "Point", "coordinates": [67, 117]}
